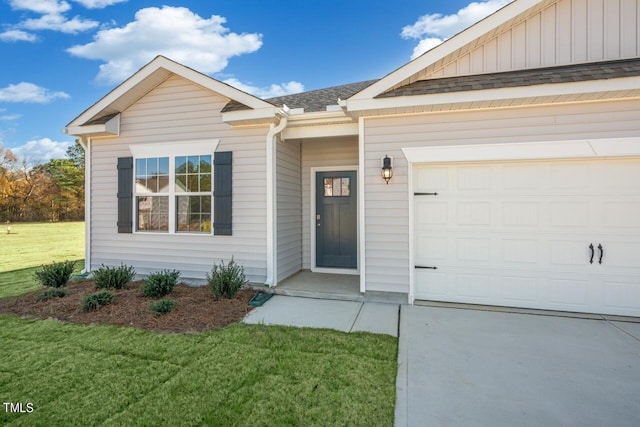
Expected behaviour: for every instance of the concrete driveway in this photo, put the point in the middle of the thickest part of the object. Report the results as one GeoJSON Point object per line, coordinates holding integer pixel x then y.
{"type": "Point", "coordinates": [477, 368]}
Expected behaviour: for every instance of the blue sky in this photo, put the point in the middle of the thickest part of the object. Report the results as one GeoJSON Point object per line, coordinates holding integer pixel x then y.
{"type": "Point", "coordinates": [61, 56]}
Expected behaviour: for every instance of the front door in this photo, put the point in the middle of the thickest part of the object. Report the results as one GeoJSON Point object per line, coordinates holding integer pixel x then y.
{"type": "Point", "coordinates": [336, 220]}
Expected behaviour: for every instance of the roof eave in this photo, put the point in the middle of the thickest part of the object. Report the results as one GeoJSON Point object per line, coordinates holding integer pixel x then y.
{"type": "Point", "coordinates": [536, 93]}
{"type": "Point", "coordinates": [109, 128]}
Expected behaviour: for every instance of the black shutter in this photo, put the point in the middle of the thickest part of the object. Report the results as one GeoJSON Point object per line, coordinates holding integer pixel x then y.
{"type": "Point", "coordinates": [222, 175]}
{"type": "Point", "coordinates": [125, 194]}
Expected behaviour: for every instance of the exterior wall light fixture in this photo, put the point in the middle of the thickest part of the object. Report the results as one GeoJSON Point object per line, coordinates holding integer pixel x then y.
{"type": "Point", "coordinates": [387, 169]}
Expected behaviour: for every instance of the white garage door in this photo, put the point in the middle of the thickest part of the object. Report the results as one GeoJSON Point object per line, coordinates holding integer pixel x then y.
{"type": "Point", "coordinates": [557, 235]}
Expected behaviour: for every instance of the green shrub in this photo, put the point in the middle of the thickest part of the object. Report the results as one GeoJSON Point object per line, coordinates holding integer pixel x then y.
{"type": "Point", "coordinates": [226, 280]}
{"type": "Point", "coordinates": [161, 283]}
{"type": "Point", "coordinates": [113, 277]}
{"type": "Point", "coordinates": [51, 293]}
{"type": "Point", "coordinates": [163, 306]}
{"type": "Point", "coordinates": [99, 299]}
{"type": "Point", "coordinates": [55, 275]}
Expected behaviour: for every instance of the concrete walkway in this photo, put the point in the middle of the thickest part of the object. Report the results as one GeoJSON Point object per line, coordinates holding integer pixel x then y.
{"type": "Point", "coordinates": [346, 316]}
{"type": "Point", "coordinates": [478, 368]}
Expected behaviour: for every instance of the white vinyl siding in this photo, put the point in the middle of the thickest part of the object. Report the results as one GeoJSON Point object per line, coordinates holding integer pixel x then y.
{"type": "Point", "coordinates": [178, 110]}
{"type": "Point", "coordinates": [387, 206]}
{"type": "Point", "coordinates": [555, 33]}
{"type": "Point", "coordinates": [341, 151]}
{"type": "Point", "coordinates": [289, 196]}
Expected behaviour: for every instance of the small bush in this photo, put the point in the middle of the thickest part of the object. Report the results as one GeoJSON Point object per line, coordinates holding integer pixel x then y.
{"type": "Point", "coordinates": [51, 293]}
{"type": "Point", "coordinates": [161, 283]}
{"type": "Point", "coordinates": [99, 299]}
{"type": "Point", "coordinates": [226, 280]}
{"type": "Point", "coordinates": [55, 275]}
{"type": "Point", "coordinates": [113, 277]}
{"type": "Point", "coordinates": [163, 306]}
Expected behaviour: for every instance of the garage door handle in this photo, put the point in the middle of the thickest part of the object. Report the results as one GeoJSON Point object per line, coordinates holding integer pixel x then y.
{"type": "Point", "coordinates": [592, 253]}
{"type": "Point", "coordinates": [424, 266]}
{"type": "Point", "coordinates": [601, 253]}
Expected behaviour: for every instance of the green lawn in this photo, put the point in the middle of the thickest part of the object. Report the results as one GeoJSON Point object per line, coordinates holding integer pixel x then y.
{"type": "Point", "coordinates": [242, 375]}
{"type": "Point", "coordinates": [32, 244]}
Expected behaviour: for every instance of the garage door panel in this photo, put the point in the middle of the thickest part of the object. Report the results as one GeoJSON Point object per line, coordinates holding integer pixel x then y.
{"type": "Point", "coordinates": [470, 249]}
{"type": "Point", "coordinates": [521, 177]}
{"type": "Point", "coordinates": [473, 213]}
{"type": "Point", "coordinates": [624, 256]}
{"type": "Point", "coordinates": [569, 214]}
{"type": "Point", "coordinates": [621, 294]}
{"type": "Point", "coordinates": [474, 178]}
{"type": "Point", "coordinates": [563, 176]}
{"type": "Point", "coordinates": [619, 215]}
{"type": "Point", "coordinates": [518, 234]}
{"type": "Point", "coordinates": [436, 213]}
{"type": "Point", "coordinates": [520, 251]}
{"type": "Point", "coordinates": [434, 285]}
{"type": "Point", "coordinates": [568, 293]}
{"type": "Point", "coordinates": [569, 252]}
{"type": "Point", "coordinates": [519, 289]}
{"type": "Point", "coordinates": [520, 214]}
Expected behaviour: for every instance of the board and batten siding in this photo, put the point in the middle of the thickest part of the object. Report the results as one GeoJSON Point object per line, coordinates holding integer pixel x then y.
{"type": "Point", "coordinates": [321, 152]}
{"type": "Point", "coordinates": [289, 212]}
{"type": "Point", "coordinates": [557, 33]}
{"type": "Point", "coordinates": [387, 206]}
{"type": "Point", "coordinates": [178, 110]}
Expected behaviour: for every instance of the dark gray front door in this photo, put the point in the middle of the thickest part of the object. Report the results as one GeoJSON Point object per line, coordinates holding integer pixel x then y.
{"type": "Point", "coordinates": [336, 220]}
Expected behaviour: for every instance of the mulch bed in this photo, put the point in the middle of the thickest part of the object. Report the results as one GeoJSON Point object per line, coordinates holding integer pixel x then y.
{"type": "Point", "coordinates": [195, 309]}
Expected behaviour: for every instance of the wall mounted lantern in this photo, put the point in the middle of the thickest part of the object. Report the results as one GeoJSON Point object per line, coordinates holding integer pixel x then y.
{"type": "Point", "coordinates": [387, 169]}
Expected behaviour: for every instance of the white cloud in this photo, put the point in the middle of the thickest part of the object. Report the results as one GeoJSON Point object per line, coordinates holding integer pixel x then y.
{"type": "Point", "coordinates": [45, 7]}
{"type": "Point", "coordinates": [10, 117]}
{"type": "Point", "coordinates": [176, 32]}
{"type": "Point", "coordinates": [53, 17]}
{"type": "Point", "coordinates": [28, 92]}
{"type": "Point", "coordinates": [267, 92]}
{"type": "Point", "coordinates": [42, 150]}
{"type": "Point", "coordinates": [425, 45]}
{"type": "Point", "coordinates": [435, 28]}
{"type": "Point", "coordinates": [17, 36]}
{"type": "Point", "coordinates": [98, 4]}
{"type": "Point", "coordinates": [59, 23]}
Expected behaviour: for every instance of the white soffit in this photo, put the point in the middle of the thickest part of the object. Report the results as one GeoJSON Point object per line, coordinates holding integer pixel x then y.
{"type": "Point", "coordinates": [615, 147]}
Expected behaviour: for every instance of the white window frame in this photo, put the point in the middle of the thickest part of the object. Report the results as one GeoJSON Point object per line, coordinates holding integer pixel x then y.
{"type": "Point", "coordinates": [173, 150]}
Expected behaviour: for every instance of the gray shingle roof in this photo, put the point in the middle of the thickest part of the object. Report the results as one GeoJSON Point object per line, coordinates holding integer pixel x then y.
{"type": "Point", "coordinates": [315, 100]}
{"type": "Point", "coordinates": [531, 77]}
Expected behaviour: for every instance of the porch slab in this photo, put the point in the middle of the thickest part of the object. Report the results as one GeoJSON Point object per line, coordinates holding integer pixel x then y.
{"type": "Point", "coordinates": [345, 316]}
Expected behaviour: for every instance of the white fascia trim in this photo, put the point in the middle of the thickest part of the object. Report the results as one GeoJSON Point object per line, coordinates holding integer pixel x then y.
{"type": "Point", "coordinates": [177, 148]}
{"type": "Point", "coordinates": [362, 259]}
{"type": "Point", "coordinates": [412, 263]}
{"type": "Point", "coordinates": [312, 223]}
{"type": "Point", "coordinates": [319, 117]}
{"type": "Point", "coordinates": [254, 115]}
{"type": "Point", "coordinates": [537, 91]}
{"type": "Point", "coordinates": [451, 45]}
{"type": "Point", "coordinates": [320, 131]}
{"type": "Point", "coordinates": [610, 147]}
